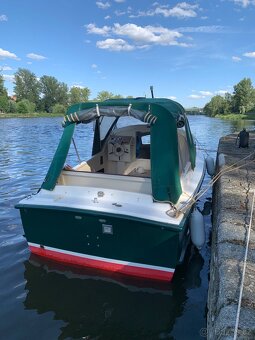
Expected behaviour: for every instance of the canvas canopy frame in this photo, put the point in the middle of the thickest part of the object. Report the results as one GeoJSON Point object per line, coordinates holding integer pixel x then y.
{"type": "Point", "coordinates": [164, 117]}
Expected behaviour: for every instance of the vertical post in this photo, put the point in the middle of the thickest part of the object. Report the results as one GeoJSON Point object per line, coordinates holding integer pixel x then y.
{"type": "Point", "coordinates": [152, 94]}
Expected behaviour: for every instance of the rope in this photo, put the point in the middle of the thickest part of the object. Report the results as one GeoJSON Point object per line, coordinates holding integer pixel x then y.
{"type": "Point", "coordinates": [244, 268]}
{"type": "Point", "coordinates": [215, 178]}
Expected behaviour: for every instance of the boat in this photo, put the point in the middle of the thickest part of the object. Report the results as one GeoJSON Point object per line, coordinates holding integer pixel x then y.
{"type": "Point", "coordinates": [126, 208]}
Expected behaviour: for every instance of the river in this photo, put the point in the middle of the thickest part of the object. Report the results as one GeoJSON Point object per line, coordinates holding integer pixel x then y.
{"type": "Point", "coordinates": [42, 301]}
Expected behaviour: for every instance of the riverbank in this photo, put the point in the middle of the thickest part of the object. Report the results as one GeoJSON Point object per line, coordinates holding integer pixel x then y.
{"type": "Point", "coordinates": [30, 115]}
{"type": "Point", "coordinates": [233, 116]}
{"type": "Point", "coordinates": [232, 202]}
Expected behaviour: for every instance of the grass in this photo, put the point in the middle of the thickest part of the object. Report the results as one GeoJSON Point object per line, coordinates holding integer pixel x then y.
{"type": "Point", "coordinates": [30, 115]}
{"type": "Point", "coordinates": [233, 116]}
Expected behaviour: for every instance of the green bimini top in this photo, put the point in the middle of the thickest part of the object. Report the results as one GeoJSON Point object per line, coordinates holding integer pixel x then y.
{"type": "Point", "coordinates": [164, 116]}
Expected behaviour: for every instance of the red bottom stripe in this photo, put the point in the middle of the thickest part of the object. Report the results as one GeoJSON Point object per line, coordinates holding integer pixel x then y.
{"type": "Point", "coordinates": [130, 270]}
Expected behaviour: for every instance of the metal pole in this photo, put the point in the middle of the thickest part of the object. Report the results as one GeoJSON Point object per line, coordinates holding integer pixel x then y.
{"type": "Point", "coordinates": [76, 150]}
{"type": "Point", "coordinates": [152, 94]}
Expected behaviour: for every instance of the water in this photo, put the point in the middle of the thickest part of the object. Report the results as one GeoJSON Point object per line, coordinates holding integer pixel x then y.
{"type": "Point", "coordinates": [40, 300]}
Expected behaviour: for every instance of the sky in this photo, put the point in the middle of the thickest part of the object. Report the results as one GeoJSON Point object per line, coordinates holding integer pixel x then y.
{"type": "Point", "coordinates": [189, 51]}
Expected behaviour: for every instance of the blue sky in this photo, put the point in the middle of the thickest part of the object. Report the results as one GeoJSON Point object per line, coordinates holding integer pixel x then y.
{"type": "Point", "coordinates": [188, 51]}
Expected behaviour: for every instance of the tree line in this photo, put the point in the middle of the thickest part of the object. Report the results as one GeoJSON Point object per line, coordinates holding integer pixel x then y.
{"type": "Point", "coordinates": [241, 101]}
{"type": "Point", "coordinates": [45, 94]}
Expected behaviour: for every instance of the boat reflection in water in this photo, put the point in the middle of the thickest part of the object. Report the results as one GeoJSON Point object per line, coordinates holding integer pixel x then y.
{"type": "Point", "coordinates": [94, 306]}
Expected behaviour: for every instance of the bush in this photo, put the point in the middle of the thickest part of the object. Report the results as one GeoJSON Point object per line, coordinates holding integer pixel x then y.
{"type": "Point", "coordinates": [59, 109]}
{"type": "Point", "coordinates": [25, 106]}
{"type": "Point", "coordinates": [12, 106]}
{"type": "Point", "coordinates": [3, 103]}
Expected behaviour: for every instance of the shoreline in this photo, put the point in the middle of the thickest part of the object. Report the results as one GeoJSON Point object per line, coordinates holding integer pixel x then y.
{"type": "Point", "coordinates": [233, 116]}
{"type": "Point", "coordinates": [53, 115]}
{"type": "Point", "coordinates": [30, 115]}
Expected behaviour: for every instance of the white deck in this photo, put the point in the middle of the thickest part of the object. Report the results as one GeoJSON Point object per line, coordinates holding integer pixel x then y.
{"type": "Point", "coordinates": [116, 194]}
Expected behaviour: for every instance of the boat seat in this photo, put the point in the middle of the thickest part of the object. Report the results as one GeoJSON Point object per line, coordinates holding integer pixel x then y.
{"type": "Point", "coordinates": [83, 167]}
{"type": "Point", "coordinates": [140, 168]}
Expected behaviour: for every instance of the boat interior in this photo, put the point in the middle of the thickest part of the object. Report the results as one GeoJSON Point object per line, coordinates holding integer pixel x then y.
{"type": "Point", "coordinates": [125, 152]}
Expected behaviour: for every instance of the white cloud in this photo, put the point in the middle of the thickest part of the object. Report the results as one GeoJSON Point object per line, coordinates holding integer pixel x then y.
{"type": "Point", "coordinates": [201, 29]}
{"type": "Point", "coordinates": [221, 92]}
{"type": "Point", "coordinates": [236, 59]}
{"type": "Point", "coordinates": [206, 93]}
{"type": "Point", "coordinates": [3, 17]}
{"type": "Point", "coordinates": [77, 85]}
{"type": "Point", "coordinates": [172, 97]}
{"type": "Point", "coordinates": [119, 13]}
{"type": "Point", "coordinates": [142, 37]}
{"type": "Point", "coordinates": [180, 10]}
{"type": "Point", "coordinates": [148, 34]}
{"type": "Point", "coordinates": [8, 77]}
{"type": "Point", "coordinates": [6, 54]}
{"type": "Point", "coordinates": [35, 56]}
{"type": "Point", "coordinates": [94, 66]}
{"type": "Point", "coordinates": [107, 17]}
{"type": "Point", "coordinates": [92, 29]}
{"type": "Point", "coordinates": [115, 45]}
{"type": "Point", "coordinates": [5, 68]}
{"type": "Point", "coordinates": [103, 5]}
{"type": "Point", "coordinates": [244, 3]}
{"type": "Point", "coordinates": [196, 96]}
{"type": "Point", "coordinates": [249, 54]}
{"type": "Point", "coordinates": [119, 1]}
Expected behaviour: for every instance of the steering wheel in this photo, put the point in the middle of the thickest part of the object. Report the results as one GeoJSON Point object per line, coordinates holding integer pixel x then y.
{"type": "Point", "coordinates": [118, 147]}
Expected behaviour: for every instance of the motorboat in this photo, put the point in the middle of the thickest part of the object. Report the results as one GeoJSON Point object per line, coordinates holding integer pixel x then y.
{"type": "Point", "coordinates": [126, 207]}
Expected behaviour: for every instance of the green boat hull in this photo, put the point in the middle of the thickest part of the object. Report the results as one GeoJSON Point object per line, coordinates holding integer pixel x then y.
{"type": "Point", "coordinates": [110, 242]}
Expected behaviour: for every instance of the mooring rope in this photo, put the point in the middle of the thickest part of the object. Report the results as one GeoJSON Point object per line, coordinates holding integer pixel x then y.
{"type": "Point", "coordinates": [244, 269]}
{"type": "Point", "coordinates": [227, 169]}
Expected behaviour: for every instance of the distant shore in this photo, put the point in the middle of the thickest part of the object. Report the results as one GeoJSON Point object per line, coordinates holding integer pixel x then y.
{"type": "Point", "coordinates": [30, 115]}
{"type": "Point", "coordinates": [249, 116]}
{"type": "Point", "coordinates": [232, 116]}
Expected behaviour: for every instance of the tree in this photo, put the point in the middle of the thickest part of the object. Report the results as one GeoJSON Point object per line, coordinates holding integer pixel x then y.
{"type": "Point", "coordinates": [25, 106]}
{"type": "Point", "coordinates": [3, 91]}
{"type": "Point", "coordinates": [27, 86]}
{"type": "Point", "coordinates": [117, 96]}
{"type": "Point", "coordinates": [53, 93]}
{"type": "Point", "coordinates": [217, 105]}
{"type": "Point", "coordinates": [78, 95]}
{"type": "Point", "coordinates": [243, 97]}
{"type": "Point", "coordinates": [59, 109]}
{"type": "Point", "coordinates": [3, 103]}
{"type": "Point", "coordinates": [12, 106]}
{"type": "Point", "coordinates": [103, 95]}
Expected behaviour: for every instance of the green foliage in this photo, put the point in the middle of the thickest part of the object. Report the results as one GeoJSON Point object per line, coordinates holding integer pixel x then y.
{"type": "Point", "coordinates": [3, 103]}
{"type": "Point", "coordinates": [3, 91]}
{"type": "Point", "coordinates": [217, 105]}
{"type": "Point", "coordinates": [27, 86]}
{"type": "Point", "coordinates": [243, 96]}
{"type": "Point", "coordinates": [12, 106]}
{"type": "Point", "coordinates": [78, 95]}
{"type": "Point", "coordinates": [241, 102]}
{"type": "Point", "coordinates": [25, 106]}
{"type": "Point", "coordinates": [103, 95]}
{"type": "Point", "coordinates": [59, 109]}
{"type": "Point", "coordinates": [53, 92]}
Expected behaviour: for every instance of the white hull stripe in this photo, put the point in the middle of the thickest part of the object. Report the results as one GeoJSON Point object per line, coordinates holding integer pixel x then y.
{"type": "Point", "coordinates": [97, 258]}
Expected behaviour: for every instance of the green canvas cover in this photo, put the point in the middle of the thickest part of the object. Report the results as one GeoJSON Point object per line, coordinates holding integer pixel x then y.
{"type": "Point", "coordinates": [163, 115]}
